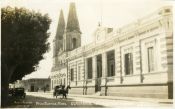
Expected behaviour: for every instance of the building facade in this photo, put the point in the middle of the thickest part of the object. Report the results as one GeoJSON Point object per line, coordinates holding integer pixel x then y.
{"type": "Point", "coordinates": [37, 84]}
{"type": "Point", "coordinates": [134, 60]}
{"type": "Point", "coordinates": [33, 84]}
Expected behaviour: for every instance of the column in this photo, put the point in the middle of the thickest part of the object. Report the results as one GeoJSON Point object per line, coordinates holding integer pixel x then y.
{"type": "Point", "coordinates": [104, 68]}
{"type": "Point", "coordinates": [104, 64]}
{"type": "Point", "coordinates": [85, 77]}
{"type": "Point", "coordinates": [68, 75]}
{"type": "Point", "coordinates": [85, 72]}
{"type": "Point", "coordinates": [76, 73]}
{"type": "Point", "coordinates": [137, 57]}
{"type": "Point", "coordinates": [85, 69]}
{"type": "Point", "coordinates": [94, 63]}
{"type": "Point", "coordinates": [94, 69]}
{"type": "Point", "coordinates": [117, 62]}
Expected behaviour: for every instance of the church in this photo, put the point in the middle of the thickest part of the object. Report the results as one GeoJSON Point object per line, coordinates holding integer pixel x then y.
{"type": "Point", "coordinates": [135, 60]}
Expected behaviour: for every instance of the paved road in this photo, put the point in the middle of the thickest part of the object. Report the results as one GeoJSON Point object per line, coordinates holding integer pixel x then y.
{"type": "Point", "coordinates": [46, 100]}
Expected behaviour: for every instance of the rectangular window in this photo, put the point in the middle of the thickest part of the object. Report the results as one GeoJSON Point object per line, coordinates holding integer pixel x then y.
{"type": "Point", "coordinates": [150, 59]}
{"type": "Point", "coordinates": [128, 64]}
{"type": "Point", "coordinates": [89, 68]}
{"type": "Point", "coordinates": [99, 66]}
{"type": "Point", "coordinates": [98, 70]}
{"type": "Point", "coordinates": [111, 63]}
{"type": "Point", "coordinates": [72, 74]}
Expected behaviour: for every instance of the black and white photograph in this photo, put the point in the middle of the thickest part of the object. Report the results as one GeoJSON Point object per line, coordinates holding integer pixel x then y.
{"type": "Point", "coordinates": [87, 53]}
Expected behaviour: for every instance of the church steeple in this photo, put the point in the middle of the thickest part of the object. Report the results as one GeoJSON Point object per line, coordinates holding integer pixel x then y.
{"type": "Point", "coordinates": [58, 41]}
{"type": "Point", "coordinates": [72, 22]}
{"type": "Point", "coordinates": [61, 26]}
{"type": "Point", "coordinates": [72, 37]}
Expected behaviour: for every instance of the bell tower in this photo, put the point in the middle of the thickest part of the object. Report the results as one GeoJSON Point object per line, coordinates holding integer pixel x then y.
{"type": "Point", "coordinates": [58, 40]}
{"type": "Point", "coordinates": [72, 36]}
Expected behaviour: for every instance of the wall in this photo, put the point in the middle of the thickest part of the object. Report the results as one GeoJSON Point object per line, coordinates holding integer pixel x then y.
{"type": "Point", "coordinates": [154, 31]}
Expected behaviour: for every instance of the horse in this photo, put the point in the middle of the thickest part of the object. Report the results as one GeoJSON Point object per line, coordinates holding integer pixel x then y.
{"type": "Point", "coordinates": [61, 90]}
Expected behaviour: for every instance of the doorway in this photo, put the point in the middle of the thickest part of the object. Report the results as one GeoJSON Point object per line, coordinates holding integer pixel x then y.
{"type": "Point", "coordinates": [99, 73]}
{"type": "Point", "coordinates": [32, 88]}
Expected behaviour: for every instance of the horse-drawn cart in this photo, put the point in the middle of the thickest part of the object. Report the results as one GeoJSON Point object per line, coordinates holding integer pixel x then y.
{"type": "Point", "coordinates": [61, 90]}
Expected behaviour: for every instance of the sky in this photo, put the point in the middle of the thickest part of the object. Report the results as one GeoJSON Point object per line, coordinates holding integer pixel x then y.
{"type": "Point", "coordinates": [112, 13]}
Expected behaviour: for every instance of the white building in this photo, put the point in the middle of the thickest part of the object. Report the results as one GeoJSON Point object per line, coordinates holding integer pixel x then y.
{"type": "Point", "coordinates": [134, 60]}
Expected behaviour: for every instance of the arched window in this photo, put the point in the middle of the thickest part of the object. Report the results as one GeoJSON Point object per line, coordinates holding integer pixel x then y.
{"type": "Point", "coordinates": [74, 41]}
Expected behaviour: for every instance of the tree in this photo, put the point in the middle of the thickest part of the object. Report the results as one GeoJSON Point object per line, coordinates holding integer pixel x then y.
{"type": "Point", "coordinates": [24, 35]}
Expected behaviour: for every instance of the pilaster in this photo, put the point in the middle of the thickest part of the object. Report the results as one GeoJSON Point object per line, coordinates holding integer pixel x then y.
{"type": "Point", "coordinates": [94, 63]}
{"type": "Point", "coordinates": [104, 68]}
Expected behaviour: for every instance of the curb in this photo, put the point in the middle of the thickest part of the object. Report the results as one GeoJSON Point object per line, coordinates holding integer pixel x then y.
{"type": "Point", "coordinates": [169, 101]}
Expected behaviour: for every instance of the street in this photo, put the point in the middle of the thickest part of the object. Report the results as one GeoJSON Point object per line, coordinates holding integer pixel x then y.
{"type": "Point", "coordinates": [41, 102]}
{"type": "Point", "coordinates": [45, 100]}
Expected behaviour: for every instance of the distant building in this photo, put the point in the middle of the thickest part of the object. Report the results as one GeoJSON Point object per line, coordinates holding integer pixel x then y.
{"type": "Point", "coordinates": [33, 84]}
{"type": "Point", "coordinates": [134, 60]}
{"type": "Point", "coordinates": [37, 84]}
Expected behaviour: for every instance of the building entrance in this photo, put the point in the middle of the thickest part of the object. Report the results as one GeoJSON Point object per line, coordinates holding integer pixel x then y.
{"type": "Point", "coordinates": [32, 88]}
{"type": "Point", "coordinates": [99, 73]}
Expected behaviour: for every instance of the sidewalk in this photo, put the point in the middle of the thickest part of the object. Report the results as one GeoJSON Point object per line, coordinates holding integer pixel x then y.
{"type": "Point", "coordinates": [152, 100]}
{"type": "Point", "coordinates": [155, 100]}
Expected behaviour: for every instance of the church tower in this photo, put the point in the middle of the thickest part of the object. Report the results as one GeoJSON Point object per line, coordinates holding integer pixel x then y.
{"type": "Point", "coordinates": [58, 40]}
{"type": "Point", "coordinates": [72, 36]}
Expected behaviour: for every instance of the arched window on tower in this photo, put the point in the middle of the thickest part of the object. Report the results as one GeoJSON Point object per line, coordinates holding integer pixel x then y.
{"type": "Point", "coordinates": [74, 41]}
